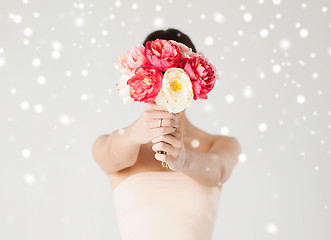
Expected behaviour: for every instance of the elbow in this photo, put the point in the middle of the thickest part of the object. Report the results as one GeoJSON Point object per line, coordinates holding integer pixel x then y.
{"type": "Point", "coordinates": [99, 148]}
{"type": "Point", "coordinates": [99, 153]}
{"type": "Point", "coordinates": [223, 172]}
{"type": "Point", "coordinates": [226, 166]}
{"type": "Point", "coordinates": [228, 173]}
{"type": "Point", "coordinates": [229, 161]}
{"type": "Point", "coordinates": [95, 150]}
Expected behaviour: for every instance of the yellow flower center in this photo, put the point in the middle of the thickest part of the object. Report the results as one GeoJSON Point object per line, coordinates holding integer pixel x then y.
{"type": "Point", "coordinates": [147, 81]}
{"type": "Point", "coordinates": [175, 85]}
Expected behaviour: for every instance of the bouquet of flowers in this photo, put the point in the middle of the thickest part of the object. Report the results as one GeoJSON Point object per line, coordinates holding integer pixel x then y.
{"type": "Point", "coordinates": [166, 72]}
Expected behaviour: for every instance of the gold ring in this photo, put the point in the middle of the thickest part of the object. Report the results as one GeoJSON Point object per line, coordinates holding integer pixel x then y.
{"type": "Point", "coordinates": [164, 164]}
{"type": "Point", "coordinates": [163, 152]}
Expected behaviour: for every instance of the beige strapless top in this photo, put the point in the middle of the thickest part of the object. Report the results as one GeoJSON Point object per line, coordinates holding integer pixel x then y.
{"type": "Point", "coordinates": [163, 205]}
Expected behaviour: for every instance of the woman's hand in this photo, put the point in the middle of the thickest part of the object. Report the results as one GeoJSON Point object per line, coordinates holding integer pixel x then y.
{"type": "Point", "coordinates": [146, 127]}
{"type": "Point", "coordinates": [174, 146]}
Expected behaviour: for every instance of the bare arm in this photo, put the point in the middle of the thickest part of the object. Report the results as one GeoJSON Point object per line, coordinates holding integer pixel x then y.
{"type": "Point", "coordinates": [213, 168]}
{"type": "Point", "coordinates": [120, 149]}
{"type": "Point", "coordinates": [116, 151]}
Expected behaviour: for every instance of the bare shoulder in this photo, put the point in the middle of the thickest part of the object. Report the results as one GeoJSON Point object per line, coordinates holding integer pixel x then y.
{"type": "Point", "coordinates": [226, 139]}
{"type": "Point", "coordinates": [217, 142]}
{"type": "Point", "coordinates": [224, 144]}
{"type": "Point", "coordinates": [215, 138]}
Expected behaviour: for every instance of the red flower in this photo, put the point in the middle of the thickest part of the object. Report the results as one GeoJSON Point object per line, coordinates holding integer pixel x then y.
{"type": "Point", "coordinates": [202, 74]}
{"type": "Point", "coordinates": [145, 84]}
{"type": "Point", "coordinates": [162, 54]}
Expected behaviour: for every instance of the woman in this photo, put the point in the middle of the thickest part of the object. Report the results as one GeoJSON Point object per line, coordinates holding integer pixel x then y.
{"type": "Point", "coordinates": [179, 201]}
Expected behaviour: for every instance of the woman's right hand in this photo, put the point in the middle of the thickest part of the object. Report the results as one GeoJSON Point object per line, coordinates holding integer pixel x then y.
{"type": "Point", "coordinates": [146, 127]}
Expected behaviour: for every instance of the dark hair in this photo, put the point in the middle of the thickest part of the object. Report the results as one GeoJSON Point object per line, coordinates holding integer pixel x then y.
{"type": "Point", "coordinates": [171, 34]}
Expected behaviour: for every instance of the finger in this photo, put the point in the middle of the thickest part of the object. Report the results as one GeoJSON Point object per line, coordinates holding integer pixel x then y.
{"type": "Point", "coordinates": [155, 106]}
{"type": "Point", "coordinates": [169, 139]}
{"type": "Point", "coordinates": [165, 123]}
{"type": "Point", "coordinates": [158, 115]}
{"type": "Point", "coordinates": [165, 158]}
{"type": "Point", "coordinates": [150, 106]}
{"type": "Point", "coordinates": [155, 132]}
{"type": "Point", "coordinates": [162, 114]}
{"type": "Point", "coordinates": [161, 157]}
{"type": "Point", "coordinates": [178, 134]}
{"type": "Point", "coordinates": [163, 146]}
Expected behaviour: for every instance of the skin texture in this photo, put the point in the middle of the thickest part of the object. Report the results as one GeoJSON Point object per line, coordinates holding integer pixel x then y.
{"type": "Point", "coordinates": [212, 168]}
{"type": "Point", "coordinates": [173, 143]}
{"type": "Point", "coordinates": [134, 149]}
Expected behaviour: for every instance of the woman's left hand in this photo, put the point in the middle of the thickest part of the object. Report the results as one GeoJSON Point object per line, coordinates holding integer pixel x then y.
{"type": "Point", "coordinates": [173, 144]}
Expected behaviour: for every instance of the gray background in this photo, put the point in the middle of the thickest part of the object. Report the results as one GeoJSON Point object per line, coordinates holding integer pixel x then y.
{"type": "Point", "coordinates": [58, 95]}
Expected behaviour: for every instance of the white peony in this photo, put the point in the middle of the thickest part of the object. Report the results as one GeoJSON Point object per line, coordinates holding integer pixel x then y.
{"type": "Point", "coordinates": [176, 93]}
{"type": "Point", "coordinates": [124, 89]}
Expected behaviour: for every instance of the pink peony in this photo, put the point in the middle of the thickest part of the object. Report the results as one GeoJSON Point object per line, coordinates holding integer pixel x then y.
{"type": "Point", "coordinates": [133, 59]}
{"type": "Point", "coordinates": [202, 74]}
{"type": "Point", "coordinates": [162, 54]}
{"type": "Point", "coordinates": [186, 52]}
{"type": "Point", "coordinates": [145, 84]}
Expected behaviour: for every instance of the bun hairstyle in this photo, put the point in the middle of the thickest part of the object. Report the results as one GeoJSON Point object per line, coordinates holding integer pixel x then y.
{"type": "Point", "coordinates": [171, 34]}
